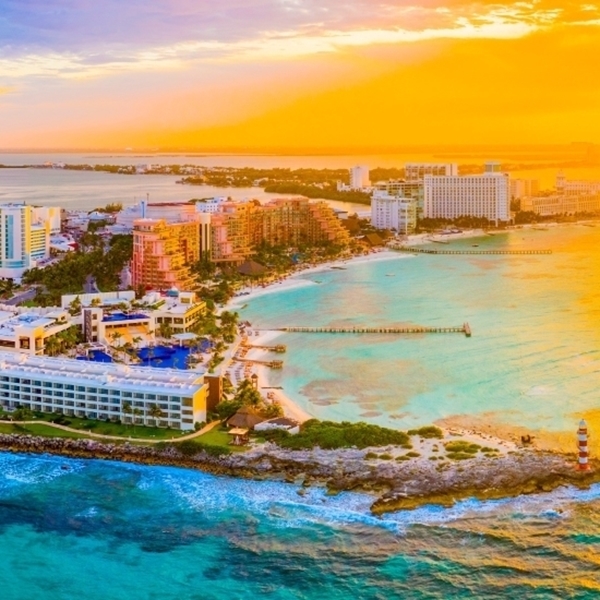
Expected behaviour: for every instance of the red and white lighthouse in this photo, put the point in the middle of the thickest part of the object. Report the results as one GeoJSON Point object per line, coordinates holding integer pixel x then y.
{"type": "Point", "coordinates": [582, 446]}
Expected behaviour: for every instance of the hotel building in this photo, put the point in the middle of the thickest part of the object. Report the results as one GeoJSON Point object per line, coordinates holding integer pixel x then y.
{"type": "Point", "coordinates": [523, 188]}
{"type": "Point", "coordinates": [393, 213]}
{"type": "Point", "coordinates": [417, 171]}
{"type": "Point", "coordinates": [28, 331]}
{"type": "Point", "coordinates": [24, 238]}
{"type": "Point", "coordinates": [163, 253]}
{"type": "Point", "coordinates": [485, 196]}
{"type": "Point", "coordinates": [239, 227]}
{"type": "Point", "coordinates": [562, 204]}
{"type": "Point", "coordinates": [102, 390]}
{"type": "Point", "coordinates": [359, 177]}
{"type": "Point", "coordinates": [574, 187]}
{"type": "Point", "coordinates": [135, 322]}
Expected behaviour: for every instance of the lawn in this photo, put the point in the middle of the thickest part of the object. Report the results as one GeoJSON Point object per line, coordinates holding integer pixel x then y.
{"type": "Point", "coordinates": [219, 437]}
{"type": "Point", "coordinates": [104, 428]}
{"type": "Point", "coordinates": [41, 430]}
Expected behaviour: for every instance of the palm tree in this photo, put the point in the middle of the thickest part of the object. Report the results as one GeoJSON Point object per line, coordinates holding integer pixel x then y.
{"type": "Point", "coordinates": [52, 345]}
{"type": "Point", "coordinates": [156, 412]}
{"type": "Point", "coordinates": [127, 408]}
{"type": "Point", "coordinates": [137, 412]}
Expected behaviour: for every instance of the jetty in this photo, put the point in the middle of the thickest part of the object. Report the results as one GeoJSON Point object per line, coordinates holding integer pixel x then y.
{"type": "Point", "coordinates": [465, 329]}
{"type": "Point", "coordinates": [274, 364]}
{"type": "Point", "coordinates": [431, 251]}
{"type": "Point", "coordinates": [280, 348]}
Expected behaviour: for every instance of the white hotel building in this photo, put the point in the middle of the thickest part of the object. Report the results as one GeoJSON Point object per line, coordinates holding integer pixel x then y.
{"type": "Point", "coordinates": [393, 212]}
{"type": "Point", "coordinates": [101, 390]}
{"type": "Point", "coordinates": [450, 197]}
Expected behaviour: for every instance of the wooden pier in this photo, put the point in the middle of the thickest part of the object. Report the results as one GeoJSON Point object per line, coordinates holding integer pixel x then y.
{"type": "Point", "coordinates": [280, 348]}
{"type": "Point", "coordinates": [431, 251]}
{"type": "Point", "coordinates": [465, 329]}
{"type": "Point", "coordinates": [274, 364]}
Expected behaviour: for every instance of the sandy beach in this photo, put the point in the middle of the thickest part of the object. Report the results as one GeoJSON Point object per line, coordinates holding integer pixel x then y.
{"type": "Point", "coordinates": [240, 370]}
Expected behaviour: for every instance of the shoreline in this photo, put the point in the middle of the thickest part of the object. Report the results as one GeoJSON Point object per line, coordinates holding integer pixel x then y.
{"type": "Point", "coordinates": [392, 485]}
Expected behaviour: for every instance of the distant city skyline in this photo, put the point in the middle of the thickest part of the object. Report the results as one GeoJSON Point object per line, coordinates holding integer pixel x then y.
{"type": "Point", "coordinates": [296, 74]}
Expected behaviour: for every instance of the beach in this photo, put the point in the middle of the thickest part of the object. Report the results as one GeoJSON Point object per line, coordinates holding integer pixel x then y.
{"type": "Point", "coordinates": [297, 280]}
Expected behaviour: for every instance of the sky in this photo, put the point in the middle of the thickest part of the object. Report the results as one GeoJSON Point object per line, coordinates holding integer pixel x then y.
{"type": "Point", "coordinates": [297, 74]}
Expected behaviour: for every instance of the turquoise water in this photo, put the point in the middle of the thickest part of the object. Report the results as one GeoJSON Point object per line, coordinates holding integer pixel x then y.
{"type": "Point", "coordinates": [103, 530]}
{"type": "Point", "coordinates": [533, 360]}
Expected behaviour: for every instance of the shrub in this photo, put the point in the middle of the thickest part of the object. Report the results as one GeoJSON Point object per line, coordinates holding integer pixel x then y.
{"type": "Point", "coordinates": [461, 446]}
{"type": "Point", "coordinates": [413, 454]}
{"type": "Point", "coordinates": [402, 458]}
{"type": "Point", "coordinates": [386, 456]}
{"type": "Point", "coordinates": [331, 435]}
{"type": "Point", "coordinates": [431, 431]}
{"type": "Point", "coordinates": [191, 448]}
{"type": "Point", "coordinates": [460, 455]}
{"type": "Point", "coordinates": [371, 455]}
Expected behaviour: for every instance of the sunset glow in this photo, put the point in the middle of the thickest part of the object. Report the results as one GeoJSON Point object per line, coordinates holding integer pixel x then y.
{"type": "Point", "coordinates": [296, 73]}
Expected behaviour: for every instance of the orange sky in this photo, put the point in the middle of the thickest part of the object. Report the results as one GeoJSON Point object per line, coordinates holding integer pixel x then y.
{"type": "Point", "coordinates": [297, 73]}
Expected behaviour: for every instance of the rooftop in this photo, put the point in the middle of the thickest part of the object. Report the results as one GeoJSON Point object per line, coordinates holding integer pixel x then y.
{"type": "Point", "coordinates": [106, 375]}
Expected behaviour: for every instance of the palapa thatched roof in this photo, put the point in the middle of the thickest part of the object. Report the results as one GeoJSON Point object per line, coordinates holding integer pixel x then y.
{"type": "Point", "coordinates": [252, 268]}
{"type": "Point", "coordinates": [245, 417]}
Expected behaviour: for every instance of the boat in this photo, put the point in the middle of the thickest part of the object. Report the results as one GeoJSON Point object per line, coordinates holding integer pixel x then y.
{"type": "Point", "coordinates": [475, 245]}
{"type": "Point", "coordinates": [339, 268]}
{"type": "Point", "coordinates": [390, 274]}
{"type": "Point", "coordinates": [439, 241]}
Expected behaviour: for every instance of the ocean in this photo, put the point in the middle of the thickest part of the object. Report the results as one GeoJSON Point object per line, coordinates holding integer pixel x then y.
{"type": "Point", "coordinates": [88, 190]}
{"type": "Point", "coordinates": [533, 360]}
{"type": "Point", "coordinates": [110, 531]}
{"type": "Point", "coordinates": [104, 530]}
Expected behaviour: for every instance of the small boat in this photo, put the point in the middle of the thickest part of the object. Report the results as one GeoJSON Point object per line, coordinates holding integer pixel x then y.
{"type": "Point", "coordinates": [339, 268]}
{"type": "Point", "coordinates": [390, 274]}
{"type": "Point", "coordinates": [475, 245]}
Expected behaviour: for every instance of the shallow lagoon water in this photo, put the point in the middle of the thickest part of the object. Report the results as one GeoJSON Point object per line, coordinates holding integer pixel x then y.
{"type": "Point", "coordinates": [533, 359]}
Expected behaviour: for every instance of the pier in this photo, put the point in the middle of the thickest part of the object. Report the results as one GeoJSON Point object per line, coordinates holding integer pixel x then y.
{"type": "Point", "coordinates": [431, 251]}
{"type": "Point", "coordinates": [280, 348]}
{"type": "Point", "coordinates": [274, 364]}
{"type": "Point", "coordinates": [465, 329]}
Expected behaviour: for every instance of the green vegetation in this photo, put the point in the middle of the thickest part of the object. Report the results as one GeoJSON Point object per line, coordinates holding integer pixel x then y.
{"type": "Point", "coordinates": [38, 429]}
{"type": "Point", "coordinates": [89, 425]}
{"type": "Point", "coordinates": [462, 446]}
{"type": "Point", "coordinates": [461, 450]}
{"type": "Point", "coordinates": [246, 395]}
{"type": "Point", "coordinates": [69, 275]}
{"type": "Point", "coordinates": [328, 192]}
{"type": "Point", "coordinates": [193, 447]}
{"type": "Point", "coordinates": [413, 454]}
{"type": "Point", "coordinates": [331, 435]}
{"type": "Point", "coordinates": [428, 432]}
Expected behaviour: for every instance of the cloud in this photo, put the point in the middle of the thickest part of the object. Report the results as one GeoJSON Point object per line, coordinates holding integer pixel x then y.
{"type": "Point", "coordinates": [83, 39]}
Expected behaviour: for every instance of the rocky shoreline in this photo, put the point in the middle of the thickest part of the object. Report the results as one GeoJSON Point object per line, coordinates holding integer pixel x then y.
{"type": "Point", "coordinates": [397, 485]}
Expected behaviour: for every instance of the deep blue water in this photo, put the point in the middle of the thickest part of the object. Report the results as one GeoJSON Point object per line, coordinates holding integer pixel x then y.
{"type": "Point", "coordinates": [104, 530]}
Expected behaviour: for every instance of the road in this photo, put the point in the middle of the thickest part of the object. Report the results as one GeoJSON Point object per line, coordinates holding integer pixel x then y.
{"type": "Point", "coordinates": [22, 297]}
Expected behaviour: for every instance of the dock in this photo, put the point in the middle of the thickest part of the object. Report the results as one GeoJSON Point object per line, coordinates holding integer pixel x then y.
{"type": "Point", "coordinates": [465, 329]}
{"type": "Point", "coordinates": [274, 364]}
{"type": "Point", "coordinates": [280, 348]}
{"type": "Point", "coordinates": [431, 251]}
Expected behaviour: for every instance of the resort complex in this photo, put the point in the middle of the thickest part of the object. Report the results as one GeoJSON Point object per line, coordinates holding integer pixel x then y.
{"type": "Point", "coordinates": [103, 391]}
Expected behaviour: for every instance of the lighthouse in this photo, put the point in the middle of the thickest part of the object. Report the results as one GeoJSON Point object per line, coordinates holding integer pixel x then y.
{"type": "Point", "coordinates": [582, 446]}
